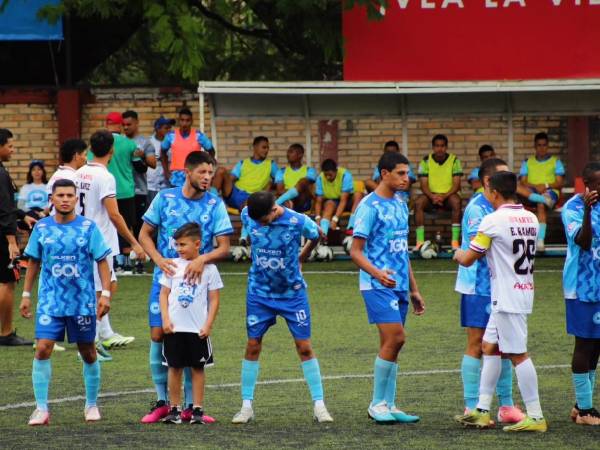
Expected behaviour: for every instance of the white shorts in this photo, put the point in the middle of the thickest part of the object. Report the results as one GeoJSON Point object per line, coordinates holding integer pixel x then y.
{"type": "Point", "coordinates": [508, 330]}
{"type": "Point", "coordinates": [113, 275]}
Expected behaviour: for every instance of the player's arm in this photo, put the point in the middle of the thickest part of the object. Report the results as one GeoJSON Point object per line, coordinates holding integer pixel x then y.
{"type": "Point", "coordinates": [112, 208]}
{"type": "Point", "coordinates": [164, 160]}
{"type": "Point", "coordinates": [559, 183]}
{"type": "Point", "coordinates": [477, 248]}
{"type": "Point", "coordinates": [424, 181]}
{"type": "Point", "coordinates": [415, 295]}
{"type": "Point", "coordinates": [340, 209]}
{"type": "Point", "coordinates": [318, 208]}
{"type": "Point", "coordinates": [213, 309]}
{"type": "Point", "coordinates": [146, 238]}
{"type": "Point", "coordinates": [150, 155]}
{"type": "Point", "coordinates": [164, 309]}
{"type": "Point", "coordinates": [33, 267]}
{"type": "Point", "coordinates": [104, 299]}
{"type": "Point", "coordinates": [309, 246]}
{"type": "Point", "coordinates": [279, 189]}
{"type": "Point", "coordinates": [455, 186]}
{"type": "Point", "coordinates": [359, 258]}
{"type": "Point", "coordinates": [585, 234]}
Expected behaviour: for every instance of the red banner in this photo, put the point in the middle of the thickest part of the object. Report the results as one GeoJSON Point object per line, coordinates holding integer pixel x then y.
{"type": "Point", "coordinates": [474, 40]}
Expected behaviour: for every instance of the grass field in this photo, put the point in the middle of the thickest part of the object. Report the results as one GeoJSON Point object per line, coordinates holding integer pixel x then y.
{"type": "Point", "coordinates": [429, 382]}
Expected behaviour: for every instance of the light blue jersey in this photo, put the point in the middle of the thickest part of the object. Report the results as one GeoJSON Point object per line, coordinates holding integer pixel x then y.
{"type": "Point", "coordinates": [311, 174]}
{"type": "Point", "coordinates": [474, 175]}
{"type": "Point", "coordinates": [275, 270]}
{"type": "Point", "coordinates": [347, 184]}
{"type": "Point", "coordinates": [474, 280]}
{"type": "Point", "coordinates": [67, 253]}
{"type": "Point", "coordinates": [170, 210]}
{"type": "Point", "coordinates": [383, 223]}
{"type": "Point", "coordinates": [581, 275]}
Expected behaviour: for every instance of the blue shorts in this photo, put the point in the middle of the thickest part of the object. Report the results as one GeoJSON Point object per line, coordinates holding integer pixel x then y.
{"type": "Point", "coordinates": [262, 312]}
{"type": "Point", "coordinates": [583, 319]}
{"type": "Point", "coordinates": [237, 198]}
{"type": "Point", "coordinates": [386, 305]}
{"type": "Point", "coordinates": [475, 310]}
{"type": "Point", "coordinates": [154, 318]}
{"type": "Point", "coordinates": [303, 207]}
{"type": "Point", "coordinates": [80, 329]}
{"type": "Point", "coordinates": [177, 178]}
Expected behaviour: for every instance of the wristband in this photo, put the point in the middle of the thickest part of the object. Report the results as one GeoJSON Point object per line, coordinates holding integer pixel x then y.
{"type": "Point", "coordinates": [105, 293]}
{"type": "Point", "coordinates": [26, 294]}
{"type": "Point", "coordinates": [317, 217]}
{"type": "Point", "coordinates": [335, 219]}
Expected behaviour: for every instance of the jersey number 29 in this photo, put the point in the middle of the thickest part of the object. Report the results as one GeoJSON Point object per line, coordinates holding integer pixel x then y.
{"type": "Point", "coordinates": [525, 249]}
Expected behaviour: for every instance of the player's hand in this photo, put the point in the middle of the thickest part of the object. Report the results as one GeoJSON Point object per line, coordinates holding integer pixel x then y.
{"type": "Point", "coordinates": [167, 266]}
{"type": "Point", "coordinates": [205, 331]}
{"type": "Point", "coordinates": [103, 306]}
{"type": "Point", "coordinates": [418, 303]}
{"type": "Point", "coordinates": [438, 200]}
{"type": "Point", "coordinates": [167, 326]}
{"type": "Point", "coordinates": [383, 276]}
{"type": "Point", "coordinates": [193, 271]}
{"type": "Point", "coordinates": [13, 251]}
{"type": "Point", "coordinates": [541, 188]}
{"type": "Point", "coordinates": [590, 198]}
{"type": "Point", "coordinates": [458, 255]}
{"type": "Point", "coordinates": [140, 153]}
{"type": "Point", "coordinates": [140, 255]}
{"type": "Point", "coordinates": [30, 221]}
{"type": "Point", "coordinates": [25, 307]}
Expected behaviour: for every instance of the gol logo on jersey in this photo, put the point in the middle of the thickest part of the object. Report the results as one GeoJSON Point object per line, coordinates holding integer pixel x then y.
{"type": "Point", "coordinates": [270, 263]}
{"type": "Point", "coordinates": [65, 270]}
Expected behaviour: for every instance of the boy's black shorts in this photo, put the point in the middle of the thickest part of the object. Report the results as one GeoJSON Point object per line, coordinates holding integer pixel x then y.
{"type": "Point", "coordinates": [187, 350]}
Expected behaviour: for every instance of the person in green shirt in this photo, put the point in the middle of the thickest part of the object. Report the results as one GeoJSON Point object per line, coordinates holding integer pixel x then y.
{"type": "Point", "coordinates": [439, 173]}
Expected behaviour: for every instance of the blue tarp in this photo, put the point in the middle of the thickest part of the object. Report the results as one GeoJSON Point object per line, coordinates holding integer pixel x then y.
{"type": "Point", "coordinates": [19, 22]}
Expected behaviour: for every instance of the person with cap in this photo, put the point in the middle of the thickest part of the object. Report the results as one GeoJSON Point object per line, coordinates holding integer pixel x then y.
{"type": "Point", "coordinates": [157, 180]}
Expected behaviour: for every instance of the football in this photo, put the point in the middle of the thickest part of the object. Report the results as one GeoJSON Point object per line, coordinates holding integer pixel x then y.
{"type": "Point", "coordinates": [240, 253]}
{"type": "Point", "coordinates": [428, 250]}
{"type": "Point", "coordinates": [133, 255]}
{"type": "Point", "coordinates": [324, 253]}
{"type": "Point", "coordinates": [347, 244]}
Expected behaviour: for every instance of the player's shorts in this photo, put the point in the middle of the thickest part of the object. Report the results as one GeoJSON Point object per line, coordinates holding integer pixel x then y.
{"type": "Point", "coordinates": [187, 350]}
{"type": "Point", "coordinates": [154, 317]}
{"type": "Point", "coordinates": [475, 310]}
{"type": "Point", "coordinates": [508, 330]}
{"type": "Point", "coordinates": [237, 198]}
{"type": "Point", "coordinates": [6, 275]}
{"type": "Point", "coordinates": [302, 205]}
{"type": "Point", "coordinates": [113, 274]}
{"type": "Point", "coordinates": [80, 329]}
{"type": "Point", "coordinates": [177, 178]}
{"type": "Point", "coordinates": [583, 319]}
{"type": "Point", "coordinates": [385, 305]}
{"type": "Point", "coordinates": [262, 312]}
{"type": "Point", "coordinates": [348, 207]}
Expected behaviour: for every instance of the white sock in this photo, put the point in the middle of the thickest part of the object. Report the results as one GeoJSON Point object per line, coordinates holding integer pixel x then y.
{"type": "Point", "coordinates": [319, 403]}
{"type": "Point", "coordinates": [104, 331]}
{"type": "Point", "coordinates": [528, 385]}
{"type": "Point", "coordinates": [246, 403]}
{"type": "Point", "coordinates": [490, 373]}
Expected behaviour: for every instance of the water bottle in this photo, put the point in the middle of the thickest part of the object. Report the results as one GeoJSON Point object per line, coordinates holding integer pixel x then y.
{"type": "Point", "coordinates": [438, 240]}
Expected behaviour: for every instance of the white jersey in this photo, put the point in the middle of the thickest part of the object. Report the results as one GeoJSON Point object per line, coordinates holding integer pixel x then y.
{"type": "Point", "coordinates": [188, 303]}
{"type": "Point", "coordinates": [62, 173]}
{"type": "Point", "coordinates": [508, 237]}
{"type": "Point", "coordinates": [94, 184]}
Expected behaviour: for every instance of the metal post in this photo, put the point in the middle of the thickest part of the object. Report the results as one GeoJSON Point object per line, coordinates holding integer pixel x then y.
{"type": "Point", "coordinates": [307, 132]}
{"type": "Point", "coordinates": [404, 125]}
{"type": "Point", "coordinates": [213, 124]}
{"type": "Point", "coordinates": [201, 108]}
{"type": "Point", "coordinates": [511, 134]}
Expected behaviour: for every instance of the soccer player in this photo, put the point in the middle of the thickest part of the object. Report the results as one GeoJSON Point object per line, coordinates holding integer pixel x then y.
{"type": "Point", "coordinates": [188, 310]}
{"type": "Point", "coordinates": [507, 238]}
{"type": "Point", "coordinates": [171, 209]}
{"type": "Point", "coordinates": [581, 218]}
{"type": "Point", "coordinates": [380, 250]}
{"type": "Point", "coordinates": [485, 152]}
{"type": "Point", "coordinates": [372, 183]}
{"type": "Point", "coordinates": [294, 182]}
{"type": "Point", "coordinates": [72, 156]}
{"type": "Point", "coordinates": [66, 247]}
{"type": "Point", "coordinates": [473, 283]}
{"type": "Point", "coordinates": [276, 288]}
{"type": "Point", "coordinates": [97, 202]}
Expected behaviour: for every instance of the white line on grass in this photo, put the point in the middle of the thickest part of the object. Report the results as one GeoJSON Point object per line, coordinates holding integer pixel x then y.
{"type": "Point", "coordinates": [77, 398]}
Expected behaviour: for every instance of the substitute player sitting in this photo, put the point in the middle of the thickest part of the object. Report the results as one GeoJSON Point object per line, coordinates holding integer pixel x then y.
{"type": "Point", "coordinates": [65, 247]}
{"type": "Point", "coordinates": [507, 239]}
{"type": "Point", "coordinates": [294, 181]}
{"type": "Point", "coordinates": [188, 309]}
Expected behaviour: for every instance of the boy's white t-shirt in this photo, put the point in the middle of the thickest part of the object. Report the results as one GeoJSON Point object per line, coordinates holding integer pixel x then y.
{"type": "Point", "coordinates": [188, 303]}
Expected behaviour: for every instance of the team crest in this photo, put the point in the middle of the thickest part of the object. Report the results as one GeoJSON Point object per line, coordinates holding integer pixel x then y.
{"type": "Point", "coordinates": [394, 305]}
{"type": "Point", "coordinates": [80, 241]}
{"type": "Point", "coordinates": [596, 318]}
{"type": "Point", "coordinates": [204, 218]}
{"type": "Point", "coordinates": [252, 320]}
{"type": "Point", "coordinates": [155, 308]}
{"type": "Point", "coordinates": [185, 294]}
{"type": "Point", "coordinates": [45, 319]}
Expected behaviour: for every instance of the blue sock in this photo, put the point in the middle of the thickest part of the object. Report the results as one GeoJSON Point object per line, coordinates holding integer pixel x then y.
{"type": "Point", "coordinates": [583, 390]}
{"type": "Point", "coordinates": [470, 370]}
{"type": "Point", "coordinates": [290, 194]}
{"type": "Point", "coordinates": [188, 394]}
{"type": "Point", "coordinates": [536, 198]}
{"type": "Point", "coordinates": [312, 375]}
{"type": "Point", "coordinates": [121, 260]}
{"type": "Point", "coordinates": [325, 226]}
{"type": "Point", "coordinates": [592, 376]}
{"type": "Point", "coordinates": [382, 372]}
{"type": "Point", "coordinates": [40, 375]}
{"type": "Point", "coordinates": [504, 385]}
{"type": "Point", "coordinates": [91, 380]}
{"type": "Point", "coordinates": [249, 377]}
{"type": "Point", "coordinates": [351, 222]}
{"type": "Point", "coordinates": [159, 372]}
{"type": "Point", "coordinates": [390, 389]}
{"type": "Point", "coordinates": [244, 232]}
{"type": "Point", "coordinates": [542, 231]}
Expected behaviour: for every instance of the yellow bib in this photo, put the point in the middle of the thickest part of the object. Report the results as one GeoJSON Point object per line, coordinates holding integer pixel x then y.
{"type": "Point", "coordinates": [291, 176]}
{"type": "Point", "coordinates": [541, 172]}
{"type": "Point", "coordinates": [332, 190]}
{"type": "Point", "coordinates": [440, 175]}
{"type": "Point", "coordinates": [254, 177]}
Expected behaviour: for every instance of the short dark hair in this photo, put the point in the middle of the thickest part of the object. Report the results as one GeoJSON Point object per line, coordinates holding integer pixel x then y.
{"type": "Point", "coordinates": [391, 143]}
{"type": "Point", "coordinates": [505, 183]}
{"type": "Point", "coordinates": [488, 167]}
{"type": "Point", "coordinates": [485, 148]}
{"type": "Point", "coordinates": [439, 137]}
{"type": "Point", "coordinates": [260, 204]}
{"type": "Point", "coordinates": [40, 164]}
{"type": "Point", "coordinates": [185, 111]}
{"type": "Point", "coordinates": [70, 148]}
{"type": "Point", "coordinates": [63, 182]}
{"type": "Point", "coordinates": [590, 168]}
{"type": "Point", "coordinates": [131, 114]}
{"type": "Point", "coordinates": [5, 135]}
{"type": "Point", "coordinates": [540, 136]}
{"type": "Point", "coordinates": [390, 160]}
{"type": "Point", "coordinates": [258, 139]}
{"type": "Point", "coordinates": [190, 229]}
{"type": "Point", "coordinates": [329, 165]}
{"type": "Point", "coordinates": [194, 159]}
{"type": "Point", "coordinates": [101, 142]}
{"type": "Point", "coordinates": [298, 147]}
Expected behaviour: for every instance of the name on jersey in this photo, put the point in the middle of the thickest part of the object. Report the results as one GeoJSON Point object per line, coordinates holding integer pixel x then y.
{"type": "Point", "coordinates": [523, 231]}
{"type": "Point", "coordinates": [84, 186]}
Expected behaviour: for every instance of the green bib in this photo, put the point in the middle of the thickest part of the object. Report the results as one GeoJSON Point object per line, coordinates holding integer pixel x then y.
{"type": "Point", "coordinates": [332, 190]}
{"type": "Point", "coordinates": [291, 176]}
{"type": "Point", "coordinates": [254, 177]}
{"type": "Point", "coordinates": [440, 175]}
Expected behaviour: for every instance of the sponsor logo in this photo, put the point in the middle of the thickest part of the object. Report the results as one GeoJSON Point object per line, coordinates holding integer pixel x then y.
{"type": "Point", "coordinates": [270, 263]}
{"type": "Point", "coordinates": [293, 220]}
{"type": "Point", "coordinates": [65, 270]}
{"type": "Point", "coordinates": [394, 305]}
{"type": "Point", "coordinates": [155, 308]}
{"type": "Point", "coordinates": [80, 241]}
{"type": "Point", "coordinates": [49, 241]}
{"type": "Point", "coordinates": [44, 319]}
{"type": "Point", "coordinates": [398, 245]}
{"type": "Point", "coordinates": [252, 320]}
{"type": "Point", "coordinates": [212, 201]}
{"type": "Point", "coordinates": [523, 286]}
{"type": "Point", "coordinates": [86, 223]}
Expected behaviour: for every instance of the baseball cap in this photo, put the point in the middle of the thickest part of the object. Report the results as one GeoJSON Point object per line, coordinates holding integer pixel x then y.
{"type": "Point", "coordinates": [114, 118]}
{"type": "Point", "coordinates": [161, 121]}
{"type": "Point", "coordinates": [36, 162]}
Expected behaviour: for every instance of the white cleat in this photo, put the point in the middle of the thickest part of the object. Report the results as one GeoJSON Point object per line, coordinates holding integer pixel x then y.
{"type": "Point", "coordinates": [321, 415]}
{"type": "Point", "coordinates": [92, 414]}
{"type": "Point", "coordinates": [540, 246]}
{"type": "Point", "coordinates": [39, 417]}
{"type": "Point", "coordinates": [244, 415]}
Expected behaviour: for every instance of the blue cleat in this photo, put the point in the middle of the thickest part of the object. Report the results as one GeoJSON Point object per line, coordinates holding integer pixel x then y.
{"type": "Point", "coordinates": [380, 413]}
{"type": "Point", "coordinates": [402, 417]}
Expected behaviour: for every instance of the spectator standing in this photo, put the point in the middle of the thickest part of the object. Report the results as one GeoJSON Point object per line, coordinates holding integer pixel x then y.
{"type": "Point", "coordinates": [157, 179]}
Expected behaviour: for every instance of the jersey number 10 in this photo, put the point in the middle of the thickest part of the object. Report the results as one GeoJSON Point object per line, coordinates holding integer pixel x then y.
{"type": "Point", "coordinates": [525, 249]}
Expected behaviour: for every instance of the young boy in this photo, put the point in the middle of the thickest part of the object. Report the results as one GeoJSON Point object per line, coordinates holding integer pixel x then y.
{"type": "Point", "coordinates": [188, 311]}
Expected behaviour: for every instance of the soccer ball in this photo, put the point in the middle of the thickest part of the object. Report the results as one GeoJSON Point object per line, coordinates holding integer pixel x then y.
{"type": "Point", "coordinates": [240, 253]}
{"type": "Point", "coordinates": [324, 253]}
{"type": "Point", "coordinates": [133, 255]}
{"type": "Point", "coordinates": [347, 244]}
{"type": "Point", "coordinates": [428, 250]}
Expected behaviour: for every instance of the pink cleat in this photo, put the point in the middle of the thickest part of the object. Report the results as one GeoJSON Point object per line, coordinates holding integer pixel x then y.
{"type": "Point", "coordinates": [39, 417]}
{"type": "Point", "coordinates": [208, 419]}
{"type": "Point", "coordinates": [157, 413]}
{"type": "Point", "coordinates": [186, 414]}
{"type": "Point", "coordinates": [510, 414]}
